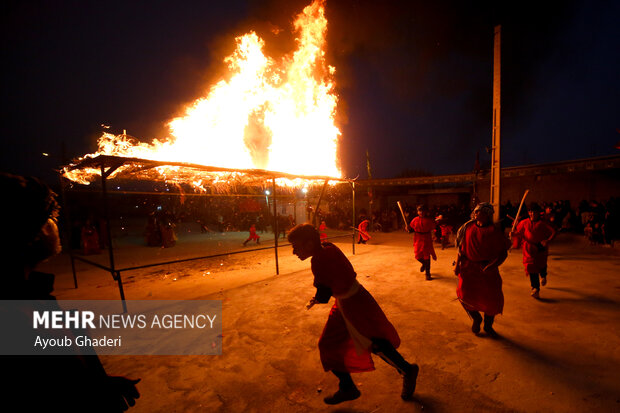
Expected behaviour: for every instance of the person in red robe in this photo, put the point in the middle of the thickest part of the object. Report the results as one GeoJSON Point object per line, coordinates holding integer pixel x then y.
{"type": "Point", "coordinates": [445, 229]}
{"type": "Point", "coordinates": [362, 232]}
{"type": "Point", "coordinates": [356, 326]}
{"type": "Point", "coordinates": [90, 239]}
{"type": "Point", "coordinates": [482, 248]}
{"type": "Point", "coordinates": [322, 230]}
{"type": "Point", "coordinates": [253, 236]}
{"type": "Point", "coordinates": [423, 249]}
{"type": "Point", "coordinates": [535, 234]}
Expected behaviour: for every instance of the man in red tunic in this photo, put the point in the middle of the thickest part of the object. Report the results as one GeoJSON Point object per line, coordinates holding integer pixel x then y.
{"type": "Point", "coordinates": [362, 232]}
{"type": "Point", "coordinates": [356, 326]}
{"type": "Point", "coordinates": [482, 249]}
{"type": "Point", "coordinates": [323, 231]}
{"type": "Point", "coordinates": [535, 234]}
{"type": "Point", "coordinates": [253, 236]}
{"type": "Point", "coordinates": [423, 228]}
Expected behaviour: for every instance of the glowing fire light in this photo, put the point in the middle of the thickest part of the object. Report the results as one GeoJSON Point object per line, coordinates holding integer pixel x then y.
{"type": "Point", "coordinates": [273, 115]}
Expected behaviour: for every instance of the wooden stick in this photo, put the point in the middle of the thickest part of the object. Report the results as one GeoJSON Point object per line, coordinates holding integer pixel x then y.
{"type": "Point", "coordinates": [361, 232]}
{"type": "Point", "coordinates": [516, 219]}
{"type": "Point", "coordinates": [403, 215]}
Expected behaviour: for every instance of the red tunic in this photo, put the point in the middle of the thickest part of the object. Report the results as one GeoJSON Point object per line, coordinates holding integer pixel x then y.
{"type": "Point", "coordinates": [446, 230]}
{"type": "Point", "coordinates": [481, 290]}
{"type": "Point", "coordinates": [423, 238]}
{"type": "Point", "coordinates": [322, 229]}
{"type": "Point", "coordinates": [90, 240]}
{"type": "Point", "coordinates": [253, 235]}
{"type": "Point", "coordinates": [363, 230]}
{"type": "Point", "coordinates": [534, 254]}
{"type": "Point", "coordinates": [354, 319]}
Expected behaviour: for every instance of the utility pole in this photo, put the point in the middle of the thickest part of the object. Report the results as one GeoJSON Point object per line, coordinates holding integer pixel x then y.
{"type": "Point", "coordinates": [495, 153]}
{"type": "Point", "coordinates": [370, 194]}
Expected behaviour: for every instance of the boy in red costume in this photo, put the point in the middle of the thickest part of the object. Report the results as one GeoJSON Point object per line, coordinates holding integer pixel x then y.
{"type": "Point", "coordinates": [362, 232]}
{"type": "Point", "coordinates": [423, 228]}
{"type": "Point", "coordinates": [356, 326]}
{"type": "Point", "coordinates": [322, 230]}
{"type": "Point", "coordinates": [253, 236]}
{"type": "Point", "coordinates": [535, 234]}
{"type": "Point", "coordinates": [482, 248]}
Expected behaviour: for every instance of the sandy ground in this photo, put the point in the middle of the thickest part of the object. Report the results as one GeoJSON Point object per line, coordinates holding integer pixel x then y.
{"type": "Point", "coordinates": [560, 353]}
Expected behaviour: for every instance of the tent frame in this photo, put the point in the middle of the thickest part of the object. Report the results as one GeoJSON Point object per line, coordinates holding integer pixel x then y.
{"type": "Point", "coordinates": [108, 164]}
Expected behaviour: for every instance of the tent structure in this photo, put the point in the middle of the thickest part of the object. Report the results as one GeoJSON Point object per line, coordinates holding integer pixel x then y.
{"type": "Point", "coordinates": [108, 167]}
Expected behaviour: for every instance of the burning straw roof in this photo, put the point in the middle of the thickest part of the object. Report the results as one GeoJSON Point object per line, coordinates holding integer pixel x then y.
{"type": "Point", "coordinates": [89, 169]}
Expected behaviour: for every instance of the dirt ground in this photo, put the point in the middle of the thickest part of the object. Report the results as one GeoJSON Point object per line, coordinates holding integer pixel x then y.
{"type": "Point", "coordinates": [560, 353]}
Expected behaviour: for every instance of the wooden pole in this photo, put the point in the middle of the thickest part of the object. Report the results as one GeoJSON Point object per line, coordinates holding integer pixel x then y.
{"type": "Point", "coordinates": [318, 204]}
{"type": "Point", "coordinates": [116, 275]}
{"type": "Point", "coordinates": [275, 226]}
{"type": "Point", "coordinates": [495, 154]}
{"type": "Point", "coordinates": [353, 215]}
{"type": "Point", "coordinates": [516, 220]}
{"type": "Point", "coordinates": [402, 213]}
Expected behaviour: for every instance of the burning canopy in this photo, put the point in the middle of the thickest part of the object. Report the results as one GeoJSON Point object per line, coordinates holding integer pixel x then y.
{"type": "Point", "coordinates": [268, 115]}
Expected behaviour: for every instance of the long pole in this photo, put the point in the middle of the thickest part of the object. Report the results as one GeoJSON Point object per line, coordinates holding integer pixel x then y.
{"type": "Point", "coordinates": [67, 228]}
{"type": "Point", "coordinates": [116, 275]}
{"type": "Point", "coordinates": [402, 213]}
{"type": "Point", "coordinates": [316, 210]}
{"type": "Point", "coordinates": [353, 215]}
{"type": "Point", "coordinates": [514, 224]}
{"type": "Point", "coordinates": [370, 194]}
{"type": "Point", "coordinates": [495, 157]}
{"type": "Point", "coordinates": [275, 226]}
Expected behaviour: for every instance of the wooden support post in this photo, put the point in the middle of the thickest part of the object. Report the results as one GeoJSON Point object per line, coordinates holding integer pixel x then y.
{"type": "Point", "coordinates": [275, 226]}
{"type": "Point", "coordinates": [495, 149]}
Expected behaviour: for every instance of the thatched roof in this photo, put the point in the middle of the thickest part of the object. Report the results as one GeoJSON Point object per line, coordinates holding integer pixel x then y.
{"type": "Point", "coordinates": [89, 169]}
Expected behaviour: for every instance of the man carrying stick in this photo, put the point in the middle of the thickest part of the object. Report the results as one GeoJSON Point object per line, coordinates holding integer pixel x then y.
{"type": "Point", "coordinates": [356, 326]}
{"type": "Point", "coordinates": [482, 248]}
{"type": "Point", "coordinates": [423, 228]}
{"type": "Point", "coordinates": [536, 235]}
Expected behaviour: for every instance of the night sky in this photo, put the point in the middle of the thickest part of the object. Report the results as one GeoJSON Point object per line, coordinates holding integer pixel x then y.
{"type": "Point", "coordinates": [414, 79]}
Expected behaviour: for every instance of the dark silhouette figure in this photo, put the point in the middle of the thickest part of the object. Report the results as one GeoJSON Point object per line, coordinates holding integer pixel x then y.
{"type": "Point", "coordinates": [72, 383]}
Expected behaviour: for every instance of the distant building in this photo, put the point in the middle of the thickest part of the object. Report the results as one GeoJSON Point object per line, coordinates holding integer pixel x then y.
{"type": "Point", "coordinates": [591, 179]}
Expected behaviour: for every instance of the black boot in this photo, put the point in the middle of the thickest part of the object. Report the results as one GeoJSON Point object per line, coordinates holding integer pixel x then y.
{"type": "Point", "coordinates": [488, 326]}
{"type": "Point", "coordinates": [427, 267]}
{"type": "Point", "coordinates": [346, 389]}
{"type": "Point", "coordinates": [423, 267]}
{"type": "Point", "coordinates": [477, 320]}
{"type": "Point", "coordinates": [384, 349]}
{"type": "Point", "coordinates": [409, 382]}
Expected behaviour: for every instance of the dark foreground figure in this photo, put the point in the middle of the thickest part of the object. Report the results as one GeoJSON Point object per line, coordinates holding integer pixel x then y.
{"type": "Point", "coordinates": [356, 326]}
{"type": "Point", "coordinates": [73, 383]}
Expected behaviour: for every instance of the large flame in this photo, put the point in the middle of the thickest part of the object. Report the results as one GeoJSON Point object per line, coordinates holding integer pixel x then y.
{"type": "Point", "coordinates": [273, 115]}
